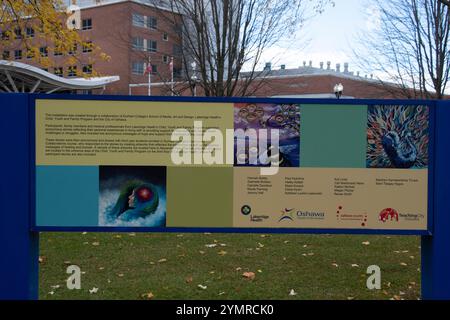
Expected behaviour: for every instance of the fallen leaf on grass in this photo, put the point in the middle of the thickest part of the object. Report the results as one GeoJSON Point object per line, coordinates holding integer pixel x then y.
{"type": "Point", "coordinates": [238, 269]}
{"type": "Point", "coordinates": [249, 275]}
{"type": "Point", "coordinates": [335, 265]}
{"type": "Point", "coordinates": [56, 286]}
{"type": "Point", "coordinates": [366, 243]}
{"type": "Point", "coordinates": [222, 253]}
{"type": "Point", "coordinates": [403, 264]}
{"type": "Point", "coordinates": [147, 296]}
{"type": "Point", "coordinates": [260, 245]}
{"type": "Point", "coordinates": [354, 265]}
{"type": "Point", "coordinates": [96, 243]}
{"type": "Point", "coordinates": [132, 234]}
{"type": "Point", "coordinates": [189, 279]}
{"type": "Point", "coordinates": [200, 286]}
{"type": "Point", "coordinates": [292, 292]}
{"type": "Point", "coordinates": [84, 233]}
{"type": "Point", "coordinates": [212, 245]}
{"type": "Point", "coordinates": [42, 259]}
{"type": "Point", "coordinates": [162, 260]}
{"type": "Point", "coordinates": [120, 275]}
{"type": "Point", "coordinates": [350, 298]}
{"type": "Point", "coordinates": [93, 290]}
{"type": "Point", "coordinates": [221, 293]}
{"type": "Point", "coordinates": [202, 252]}
{"type": "Point", "coordinates": [51, 293]}
{"type": "Point", "coordinates": [259, 271]}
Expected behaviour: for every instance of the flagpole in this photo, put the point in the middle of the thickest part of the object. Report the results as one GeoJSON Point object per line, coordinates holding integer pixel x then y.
{"type": "Point", "coordinates": [149, 68]}
{"type": "Point", "coordinates": [171, 72]}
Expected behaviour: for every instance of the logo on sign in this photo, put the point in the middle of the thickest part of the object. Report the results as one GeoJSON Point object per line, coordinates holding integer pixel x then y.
{"type": "Point", "coordinates": [388, 214]}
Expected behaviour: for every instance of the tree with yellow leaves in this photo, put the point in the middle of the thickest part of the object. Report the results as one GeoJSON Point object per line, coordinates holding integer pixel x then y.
{"type": "Point", "coordinates": [36, 28]}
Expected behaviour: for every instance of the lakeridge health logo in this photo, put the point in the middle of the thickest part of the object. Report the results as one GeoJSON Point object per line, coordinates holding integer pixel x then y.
{"type": "Point", "coordinates": [246, 209]}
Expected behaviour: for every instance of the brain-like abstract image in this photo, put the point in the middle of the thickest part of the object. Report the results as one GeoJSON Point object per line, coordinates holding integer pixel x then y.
{"type": "Point", "coordinates": [132, 196]}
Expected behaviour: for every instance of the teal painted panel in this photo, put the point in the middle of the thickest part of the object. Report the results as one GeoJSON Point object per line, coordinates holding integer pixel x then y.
{"type": "Point", "coordinates": [333, 136]}
{"type": "Point", "coordinates": [67, 196]}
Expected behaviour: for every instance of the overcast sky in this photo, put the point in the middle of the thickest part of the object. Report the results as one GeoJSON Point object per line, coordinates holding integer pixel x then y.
{"type": "Point", "coordinates": [332, 36]}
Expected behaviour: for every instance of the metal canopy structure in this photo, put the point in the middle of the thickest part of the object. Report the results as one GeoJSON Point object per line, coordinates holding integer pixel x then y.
{"type": "Point", "coordinates": [21, 77]}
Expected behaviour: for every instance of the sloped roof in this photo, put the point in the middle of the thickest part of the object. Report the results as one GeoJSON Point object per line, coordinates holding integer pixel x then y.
{"type": "Point", "coordinates": [21, 77]}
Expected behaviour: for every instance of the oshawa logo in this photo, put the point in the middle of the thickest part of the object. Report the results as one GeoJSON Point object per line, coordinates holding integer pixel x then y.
{"type": "Point", "coordinates": [290, 214]}
{"type": "Point", "coordinates": [286, 214]}
{"type": "Point", "coordinates": [388, 214]}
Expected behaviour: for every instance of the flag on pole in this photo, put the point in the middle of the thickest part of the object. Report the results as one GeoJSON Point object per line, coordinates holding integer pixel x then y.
{"type": "Point", "coordinates": [171, 64]}
{"type": "Point", "coordinates": [149, 69]}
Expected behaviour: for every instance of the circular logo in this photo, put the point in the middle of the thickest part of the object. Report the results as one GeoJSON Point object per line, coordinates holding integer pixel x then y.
{"type": "Point", "coordinates": [245, 210]}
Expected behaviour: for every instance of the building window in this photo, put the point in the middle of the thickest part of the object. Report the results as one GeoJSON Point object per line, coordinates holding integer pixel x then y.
{"type": "Point", "coordinates": [87, 69]}
{"type": "Point", "coordinates": [58, 71]}
{"type": "Point", "coordinates": [154, 69]}
{"type": "Point", "coordinates": [138, 20]}
{"type": "Point", "coordinates": [151, 23]}
{"type": "Point", "coordinates": [138, 43]}
{"type": "Point", "coordinates": [165, 59]}
{"type": "Point", "coordinates": [57, 52]}
{"type": "Point", "coordinates": [74, 48]}
{"type": "Point", "coordinates": [72, 71]}
{"type": "Point", "coordinates": [30, 54]}
{"type": "Point", "coordinates": [138, 67]}
{"type": "Point", "coordinates": [151, 46]}
{"type": "Point", "coordinates": [30, 32]}
{"type": "Point", "coordinates": [87, 46]}
{"type": "Point", "coordinates": [43, 51]}
{"type": "Point", "coordinates": [5, 35]}
{"type": "Point", "coordinates": [86, 24]}
{"type": "Point", "coordinates": [17, 54]}
{"type": "Point", "coordinates": [18, 33]}
{"type": "Point", "coordinates": [165, 37]}
{"type": "Point", "coordinates": [5, 55]}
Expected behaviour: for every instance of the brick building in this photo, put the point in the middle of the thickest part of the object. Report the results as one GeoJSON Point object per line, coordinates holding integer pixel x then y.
{"type": "Point", "coordinates": [130, 32]}
{"type": "Point", "coordinates": [307, 81]}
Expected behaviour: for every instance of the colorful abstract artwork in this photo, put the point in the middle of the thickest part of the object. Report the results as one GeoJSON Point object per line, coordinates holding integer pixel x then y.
{"type": "Point", "coordinates": [397, 136]}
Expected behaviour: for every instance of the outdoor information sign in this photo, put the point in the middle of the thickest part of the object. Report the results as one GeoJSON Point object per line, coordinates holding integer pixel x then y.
{"type": "Point", "coordinates": [116, 164]}
{"type": "Point", "coordinates": [178, 164]}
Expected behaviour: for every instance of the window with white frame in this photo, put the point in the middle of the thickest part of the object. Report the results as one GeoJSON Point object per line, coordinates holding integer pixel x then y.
{"type": "Point", "coordinates": [138, 20]}
{"type": "Point", "coordinates": [138, 43]}
{"type": "Point", "coordinates": [151, 23]}
{"type": "Point", "coordinates": [138, 67]}
{"type": "Point", "coordinates": [152, 46]}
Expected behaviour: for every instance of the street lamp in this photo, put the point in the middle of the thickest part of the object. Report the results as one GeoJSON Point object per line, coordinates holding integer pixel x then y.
{"type": "Point", "coordinates": [338, 89]}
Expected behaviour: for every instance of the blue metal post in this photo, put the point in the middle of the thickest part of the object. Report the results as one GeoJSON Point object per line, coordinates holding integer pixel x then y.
{"type": "Point", "coordinates": [18, 245]}
{"type": "Point", "coordinates": [436, 248]}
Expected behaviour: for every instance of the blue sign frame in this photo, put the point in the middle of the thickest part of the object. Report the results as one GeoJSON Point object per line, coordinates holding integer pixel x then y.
{"type": "Point", "coordinates": [336, 102]}
{"type": "Point", "coordinates": [19, 237]}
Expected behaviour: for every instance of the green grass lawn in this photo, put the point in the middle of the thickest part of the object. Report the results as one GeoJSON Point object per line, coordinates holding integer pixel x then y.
{"type": "Point", "coordinates": [172, 266]}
